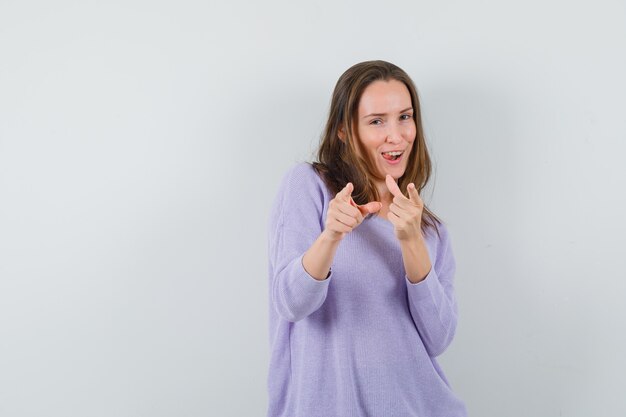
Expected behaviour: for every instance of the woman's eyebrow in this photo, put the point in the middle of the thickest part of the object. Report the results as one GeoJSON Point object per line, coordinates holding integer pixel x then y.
{"type": "Point", "coordinates": [384, 114]}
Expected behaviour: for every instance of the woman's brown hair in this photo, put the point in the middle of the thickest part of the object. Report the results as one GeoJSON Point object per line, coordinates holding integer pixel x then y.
{"type": "Point", "coordinates": [338, 161]}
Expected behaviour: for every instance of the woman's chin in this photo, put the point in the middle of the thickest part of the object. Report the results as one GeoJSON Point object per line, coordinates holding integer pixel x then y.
{"type": "Point", "coordinates": [395, 172]}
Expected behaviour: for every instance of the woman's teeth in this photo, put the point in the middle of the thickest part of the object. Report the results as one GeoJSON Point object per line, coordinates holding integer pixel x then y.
{"type": "Point", "coordinates": [392, 155]}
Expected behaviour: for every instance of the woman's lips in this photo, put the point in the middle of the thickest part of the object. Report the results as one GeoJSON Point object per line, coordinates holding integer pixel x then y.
{"type": "Point", "coordinates": [393, 161]}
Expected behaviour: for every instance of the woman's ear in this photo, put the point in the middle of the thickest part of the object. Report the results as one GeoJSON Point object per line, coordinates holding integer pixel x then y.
{"type": "Point", "coordinates": [341, 133]}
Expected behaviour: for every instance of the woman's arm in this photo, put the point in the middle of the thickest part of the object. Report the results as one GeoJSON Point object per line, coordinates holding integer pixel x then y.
{"type": "Point", "coordinates": [295, 239]}
{"type": "Point", "coordinates": [432, 302]}
{"type": "Point", "coordinates": [300, 289]}
{"type": "Point", "coordinates": [430, 289]}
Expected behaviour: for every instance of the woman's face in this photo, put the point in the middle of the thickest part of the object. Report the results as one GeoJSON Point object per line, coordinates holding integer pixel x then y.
{"type": "Point", "coordinates": [385, 124]}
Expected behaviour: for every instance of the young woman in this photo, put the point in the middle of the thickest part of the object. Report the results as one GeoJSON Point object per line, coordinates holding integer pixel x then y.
{"type": "Point", "coordinates": [360, 271]}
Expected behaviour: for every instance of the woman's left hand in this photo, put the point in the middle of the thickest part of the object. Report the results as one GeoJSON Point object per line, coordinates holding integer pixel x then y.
{"type": "Point", "coordinates": [405, 213]}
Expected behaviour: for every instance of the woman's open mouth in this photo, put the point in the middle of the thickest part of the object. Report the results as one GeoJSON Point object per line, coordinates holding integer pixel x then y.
{"type": "Point", "coordinates": [393, 157]}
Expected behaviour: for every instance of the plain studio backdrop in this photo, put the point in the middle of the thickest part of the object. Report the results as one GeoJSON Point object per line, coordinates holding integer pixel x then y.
{"type": "Point", "coordinates": [142, 144]}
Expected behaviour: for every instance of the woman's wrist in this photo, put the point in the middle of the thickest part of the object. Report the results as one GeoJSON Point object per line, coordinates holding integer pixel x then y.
{"type": "Point", "coordinates": [319, 258]}
{"type": "Point", "coordinates": [416, 259]}
{"type": "Point", "coordinates": [331, 236]}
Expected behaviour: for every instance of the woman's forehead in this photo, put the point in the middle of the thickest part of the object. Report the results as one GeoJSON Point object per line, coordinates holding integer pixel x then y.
{"type": "Point", "coordinates": [381, 97]}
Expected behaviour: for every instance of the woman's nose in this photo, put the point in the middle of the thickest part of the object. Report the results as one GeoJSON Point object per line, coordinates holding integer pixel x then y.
{"type": "Point", "coordinates": [394, 135]}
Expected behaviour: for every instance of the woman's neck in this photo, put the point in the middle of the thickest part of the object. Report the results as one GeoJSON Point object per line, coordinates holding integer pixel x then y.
{"type": "Point", "coordinates": [383, 193]}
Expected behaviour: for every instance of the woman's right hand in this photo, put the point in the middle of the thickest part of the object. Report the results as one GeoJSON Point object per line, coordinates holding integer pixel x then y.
{"type": "Point", "coordinates": [344, 214]}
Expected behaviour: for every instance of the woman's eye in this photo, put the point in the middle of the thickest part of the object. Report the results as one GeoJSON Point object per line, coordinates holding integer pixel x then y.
{"type": "Point", "coordinates": [406, 117]}
{"type": "Point", "coordinates": [376, 122]}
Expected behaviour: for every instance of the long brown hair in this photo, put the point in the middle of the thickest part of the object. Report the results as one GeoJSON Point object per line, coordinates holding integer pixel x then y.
{"type": "Point", "coordinates": [338, 161]}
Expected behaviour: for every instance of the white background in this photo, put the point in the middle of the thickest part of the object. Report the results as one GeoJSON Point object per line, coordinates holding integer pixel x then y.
{"type": "Point", "coordinates": [141, 146]}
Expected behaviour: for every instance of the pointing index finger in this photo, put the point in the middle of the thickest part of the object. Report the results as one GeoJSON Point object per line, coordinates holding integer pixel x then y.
{"type": "Point", "coordinates": [392, 186]}
{"type": "Point", "coordinates": [413, 194]}
{"type": "Point", "coordinates": [347, 191]}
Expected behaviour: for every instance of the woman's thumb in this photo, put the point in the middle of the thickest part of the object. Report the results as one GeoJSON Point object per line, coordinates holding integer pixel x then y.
{"type": "Point", "coordinates": [371, 207]}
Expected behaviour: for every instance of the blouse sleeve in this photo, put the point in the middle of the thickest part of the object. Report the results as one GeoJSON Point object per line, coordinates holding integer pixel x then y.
{"type": "Point", "coordinates": [295, 223]}
{"type": "Point", "coordinates": [432, 301]}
